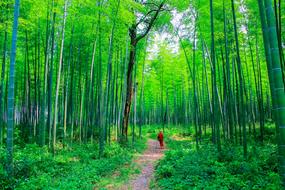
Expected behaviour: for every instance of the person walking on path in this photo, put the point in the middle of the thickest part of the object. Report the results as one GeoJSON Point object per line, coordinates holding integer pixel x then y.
{"type": "Point", "coordinates": [160, 139]}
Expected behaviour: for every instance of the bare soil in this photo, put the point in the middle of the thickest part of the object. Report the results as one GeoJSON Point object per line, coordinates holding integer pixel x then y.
{"type": "Point", "coordinates": [146, 162]}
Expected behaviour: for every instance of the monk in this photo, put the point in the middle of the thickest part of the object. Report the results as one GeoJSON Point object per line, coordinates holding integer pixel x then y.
{"type": "Point", "coordinates": [160, 139]}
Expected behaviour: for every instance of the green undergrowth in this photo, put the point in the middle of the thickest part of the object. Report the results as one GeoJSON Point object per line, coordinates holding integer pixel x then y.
{"type": "Point", "coordinates": [169, 131]}
{"type": "Point", "coordinates": [184, 168]}
{"type": "Point", "coordinates": [119, 178]}
{"type": "Point", "coordinates": [74, 167]}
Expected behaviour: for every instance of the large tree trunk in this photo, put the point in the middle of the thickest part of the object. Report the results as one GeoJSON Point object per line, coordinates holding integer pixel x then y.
{"type": "Point", "coordinates": [129, 85]}
{"type": "Point", "coordinates": [134, 40]}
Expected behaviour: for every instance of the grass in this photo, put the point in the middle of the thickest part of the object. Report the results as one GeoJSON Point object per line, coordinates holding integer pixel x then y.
{"type": "Point", "coordinates": [122, 175]}
{"type": "Point", "coordinates": [119, 178]}
{"type": "Point", "coordinates": [183, 167]}
{"type": "Point", "coordinates": [78, 166]}
{"type": "Point", "coordinates": [74, 167]}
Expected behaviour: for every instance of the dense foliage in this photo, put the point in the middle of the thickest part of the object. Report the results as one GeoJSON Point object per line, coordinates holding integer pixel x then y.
{"type": "Point", "coordinates": [74, 167]}
{"type": "Point", "coordinates": [75, 74]}
{"type": "Point", "coordinates": [186, 168]}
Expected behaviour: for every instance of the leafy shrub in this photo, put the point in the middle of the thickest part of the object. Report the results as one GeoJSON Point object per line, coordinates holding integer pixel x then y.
{"type": "Point", "coordinates": [206, 169]}
{"type": "Point", "coordinates": [75, 167]}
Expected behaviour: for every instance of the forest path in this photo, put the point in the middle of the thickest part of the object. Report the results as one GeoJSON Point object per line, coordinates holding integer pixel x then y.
{"type": "Point", "coordinates": [146, 162]}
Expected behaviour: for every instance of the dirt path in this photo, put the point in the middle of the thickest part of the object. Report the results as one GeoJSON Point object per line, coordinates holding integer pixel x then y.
{"type": "Point", "coordinates": [146, 162]}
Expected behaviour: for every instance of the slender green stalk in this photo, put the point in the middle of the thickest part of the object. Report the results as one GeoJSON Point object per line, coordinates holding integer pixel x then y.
{"type": "Point", "coordinates": [11, 91]}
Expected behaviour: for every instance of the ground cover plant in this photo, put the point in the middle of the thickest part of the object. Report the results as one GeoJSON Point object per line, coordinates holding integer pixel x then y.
{"type": "Point", "coordinates": [74, 167]}
{"type": "Point", "coordinates": [82, 82]}
{"type": "Point", "coordinates": [184, 167]}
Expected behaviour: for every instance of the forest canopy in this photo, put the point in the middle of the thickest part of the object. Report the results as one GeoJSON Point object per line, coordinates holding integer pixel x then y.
{"type": "Point", "coordinates": [103, 72]}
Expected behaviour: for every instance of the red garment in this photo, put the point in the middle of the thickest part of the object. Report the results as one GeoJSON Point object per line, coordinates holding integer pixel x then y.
{"type": "Point", "coordinates": [160, 139]}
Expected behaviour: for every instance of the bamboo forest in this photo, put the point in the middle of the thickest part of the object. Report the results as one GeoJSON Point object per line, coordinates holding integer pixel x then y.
{"type": "Point", "coordinates": [142, 94]}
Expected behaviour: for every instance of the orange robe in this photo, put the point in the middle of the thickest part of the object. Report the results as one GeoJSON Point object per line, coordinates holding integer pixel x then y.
{"type": "Point", "coordinates": [160, 139]}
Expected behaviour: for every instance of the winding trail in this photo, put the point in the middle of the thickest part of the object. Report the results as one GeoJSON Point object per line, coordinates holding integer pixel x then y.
{"type": "Point", "coordinates": [146, 162]}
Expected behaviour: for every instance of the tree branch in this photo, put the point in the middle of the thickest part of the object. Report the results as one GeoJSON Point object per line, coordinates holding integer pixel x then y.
{"type": "Point", "coordinates": [144, 17]}
{"type": "Point", "coordinates": [151, 23]}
